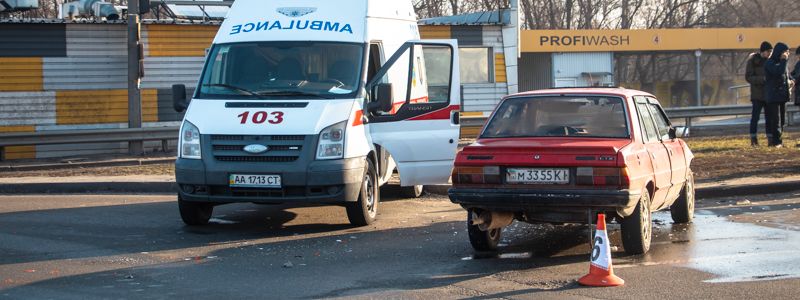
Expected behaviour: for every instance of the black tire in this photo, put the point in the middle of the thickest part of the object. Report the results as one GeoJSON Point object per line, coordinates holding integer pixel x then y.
{"type": "Point", "coordinates": [195, 213]}
{"type": "Point", "coordinates": [412, 191]}
{"type": "Point", "coordinates": [483, 241]}
{"type": "Point", "coordinates": [637, 229]}
{"type": "Point", "coordinates": [365, 211]}
{"type": "Point", "coordinates": [682, 210]}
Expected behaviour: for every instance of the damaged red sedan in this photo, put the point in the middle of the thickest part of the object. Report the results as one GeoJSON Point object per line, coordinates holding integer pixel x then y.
{"type": "Point", "coordinates": [562, 155]}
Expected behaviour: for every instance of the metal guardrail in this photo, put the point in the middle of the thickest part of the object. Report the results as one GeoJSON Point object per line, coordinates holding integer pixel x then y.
{"type": "Point", "coordinates": [469, 124]}
{"type": "Point", "coordinates": [163, 134]}
{"type": "Point", "coordinates": [689, 113]}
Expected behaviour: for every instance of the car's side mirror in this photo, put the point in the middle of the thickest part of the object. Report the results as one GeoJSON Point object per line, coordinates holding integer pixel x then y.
{"type": "Point", "coordinates": [678, 132]}
{"type": "Point", "coordinates": [382, 102]}
{"type": "Point", "coordinates": [179, 101]}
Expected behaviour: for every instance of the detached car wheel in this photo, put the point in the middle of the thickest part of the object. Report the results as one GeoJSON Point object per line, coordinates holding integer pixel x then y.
{"type": "Point", "coordinates": [483, 241]}
{"type": "Point", "coordinates": [413, 191]}
{"type": "Point", "coordinates": [195, 213]}
{"type": "Point", "coordinates": [637, 229]}
{"type": "Point", "coordinates": [683, 209]}
{"type": "Point", "coordinates": [364, 211]}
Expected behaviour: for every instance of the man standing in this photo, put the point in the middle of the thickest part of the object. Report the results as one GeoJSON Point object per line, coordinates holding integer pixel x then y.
{"type": "Point", "coordinates": [776, 88]}
{"type": "Point", "coordinates": [755, 75]}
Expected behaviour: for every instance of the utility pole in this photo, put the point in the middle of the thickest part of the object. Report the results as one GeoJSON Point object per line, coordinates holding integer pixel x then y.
{"type": "Point", "coordinates": [698, 77]}
{"type": "Point", "coordinates": [134, 96]}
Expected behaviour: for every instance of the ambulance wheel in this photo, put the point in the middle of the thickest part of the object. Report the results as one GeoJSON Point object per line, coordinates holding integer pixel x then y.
{"type": "Point", "coordinates": [364, 211]}
{"type": "Point", "coordinates": [682, 210]}
{"type": "Point", "coordinates": [412, 191]}
{"type": "Point", "coordinates": [195, 213]}
{"type": "Point", "coordinates": [637, 229]}
{"type": "Point", "coordinates": [483, 241]}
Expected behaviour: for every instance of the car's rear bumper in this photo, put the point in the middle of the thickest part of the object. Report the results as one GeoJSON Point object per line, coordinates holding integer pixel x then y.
{"type": "Point", "coordinates": [522, 200]}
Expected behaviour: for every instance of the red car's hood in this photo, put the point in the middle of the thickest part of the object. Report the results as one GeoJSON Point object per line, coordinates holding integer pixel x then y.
{"type": "Point", "coordinates": [548, 145]}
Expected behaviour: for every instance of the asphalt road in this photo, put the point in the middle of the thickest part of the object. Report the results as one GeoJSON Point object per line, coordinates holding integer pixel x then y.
{"type": "Point", "coordinates": [136, 247]}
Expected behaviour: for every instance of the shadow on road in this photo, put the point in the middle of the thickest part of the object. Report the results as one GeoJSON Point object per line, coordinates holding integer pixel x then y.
{"type": "Point", "coordinates": [345, 261]}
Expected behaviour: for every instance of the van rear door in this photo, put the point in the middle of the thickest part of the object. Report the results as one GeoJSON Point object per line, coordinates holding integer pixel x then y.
{"type": "Point", "coordinates": [412, 110]}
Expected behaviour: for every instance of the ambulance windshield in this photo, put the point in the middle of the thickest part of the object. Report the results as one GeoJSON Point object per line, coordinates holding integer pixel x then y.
{"type": "Point", "coordinates": [283, 70]}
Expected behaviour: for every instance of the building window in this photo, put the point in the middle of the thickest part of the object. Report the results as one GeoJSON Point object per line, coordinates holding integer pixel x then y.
{"type": "Point", "coordinates": [477, 65]}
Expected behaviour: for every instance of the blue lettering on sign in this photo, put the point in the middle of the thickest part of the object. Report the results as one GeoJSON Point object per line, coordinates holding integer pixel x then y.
{"type": "Point", "coordinates": [347, 28]}
{"type": "Point", "coordinates": [251, 25]}
{"type": "Point", "coordinates": [331, 26]}
{"type": "Point", "coordinates": [316, 25]}
{"type": "Point", "coordinates": [236, 29]}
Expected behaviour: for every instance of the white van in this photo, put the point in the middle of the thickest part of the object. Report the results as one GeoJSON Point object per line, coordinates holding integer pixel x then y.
{"type": "Point", "coordinates": [316, 101]}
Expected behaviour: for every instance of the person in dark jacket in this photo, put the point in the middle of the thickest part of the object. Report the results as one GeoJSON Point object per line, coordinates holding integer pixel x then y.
{"type": "Point", "coordinates": [776, 92]}
{"type": "Point", "coordinates": [796, 77]}
{"type": "Point", "coordinates": [755, 75]}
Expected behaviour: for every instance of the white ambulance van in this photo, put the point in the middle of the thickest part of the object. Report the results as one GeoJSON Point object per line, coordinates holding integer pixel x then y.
{"type": "Point", "coordinates": [315, 101]}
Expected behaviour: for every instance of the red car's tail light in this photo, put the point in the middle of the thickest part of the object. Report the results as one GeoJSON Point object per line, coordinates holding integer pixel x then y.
{"type": "Point", "coordinates": [602, 176]}
{"type": "Point", "coordinates": [476, 175]}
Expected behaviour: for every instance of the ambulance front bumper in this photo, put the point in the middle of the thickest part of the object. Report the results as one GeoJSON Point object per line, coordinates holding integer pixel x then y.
{"type": "Point", "coordinates": [326, 182]}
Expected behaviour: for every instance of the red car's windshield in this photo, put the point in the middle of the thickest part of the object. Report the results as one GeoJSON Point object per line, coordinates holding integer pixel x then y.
{"type": "Point", "coordinates": [559, 116]}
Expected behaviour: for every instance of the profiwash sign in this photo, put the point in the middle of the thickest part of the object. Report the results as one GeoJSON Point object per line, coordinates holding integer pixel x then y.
{"type": "Point", "coordinates": [654, 40]}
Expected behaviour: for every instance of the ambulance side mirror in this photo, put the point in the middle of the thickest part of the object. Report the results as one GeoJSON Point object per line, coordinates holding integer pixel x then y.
{"type": "Point", "coordinates": [382, 100]}
{"type": "Point", "coordinates": [179, 101]}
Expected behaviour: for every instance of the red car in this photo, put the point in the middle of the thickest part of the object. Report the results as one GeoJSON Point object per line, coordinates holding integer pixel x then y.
{"type": "Point", "coordinates": [562, 155]}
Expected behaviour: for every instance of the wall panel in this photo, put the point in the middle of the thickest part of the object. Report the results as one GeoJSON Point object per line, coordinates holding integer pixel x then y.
{"type": "Point", "coordinates": [18, 152]}
{"type": "Point", "coordinates": [178, 40]}
{"type": "Point", "coordinates": [21, 74]}
{"type": "Point", "coordinates": [33, 40]}
{"type": "Point", "coordinates": [435, 32]}
{"type": "Point", "coordinates": [27, 108]}
{"type": "Point", "coordinates": [101, 106]}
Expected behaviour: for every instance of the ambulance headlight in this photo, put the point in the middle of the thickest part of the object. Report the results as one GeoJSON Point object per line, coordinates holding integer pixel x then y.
{"type": "Point", "coordinates": [331, 142]}
{"type": "Point", "coordinates": [189, 142]}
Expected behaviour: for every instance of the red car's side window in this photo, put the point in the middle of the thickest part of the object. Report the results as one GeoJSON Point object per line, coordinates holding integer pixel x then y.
{"type": "Point", "coordinates": [662, 124]}
{"type": "Point", "coordinates": [649, 131]}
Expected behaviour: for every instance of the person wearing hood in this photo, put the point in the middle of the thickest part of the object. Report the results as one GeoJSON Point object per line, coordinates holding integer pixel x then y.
{"type": "Point", "coordinates": [796, 77]}
{"type": "Point", "coordinates": [755, 75]}
{"type": "Point", "coordinates": [776, 92]}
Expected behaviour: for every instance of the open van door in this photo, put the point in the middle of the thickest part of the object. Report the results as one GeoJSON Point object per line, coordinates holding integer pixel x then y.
{"type": "Point", "coordinates": [412, 110]}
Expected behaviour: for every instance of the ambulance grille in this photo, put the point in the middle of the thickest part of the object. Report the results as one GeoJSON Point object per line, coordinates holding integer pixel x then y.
{"type": "Point", "coordinates": [257, 158]}
{"type": "Point", "coordinates": [280, 148]}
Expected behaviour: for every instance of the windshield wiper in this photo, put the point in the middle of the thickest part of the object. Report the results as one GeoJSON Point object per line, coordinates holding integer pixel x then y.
{"type": "Point", "coordinates": [233, 88]}
{"type": "Point", "coordinates": [292, 93]}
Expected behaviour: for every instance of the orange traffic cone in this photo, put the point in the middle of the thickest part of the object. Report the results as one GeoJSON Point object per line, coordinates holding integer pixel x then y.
{"type": "Point", "coordinates": [600, 270]}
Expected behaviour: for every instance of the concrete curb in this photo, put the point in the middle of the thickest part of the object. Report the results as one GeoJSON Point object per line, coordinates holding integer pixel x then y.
{"type": "Point", "coordinates": [171, 187]}
{"type": "Point", "coordinates": [748, 189]}
{"type": "Point", "coordinates": [90, 164]}
{"type": "Point", "coordinates": [89, 188]}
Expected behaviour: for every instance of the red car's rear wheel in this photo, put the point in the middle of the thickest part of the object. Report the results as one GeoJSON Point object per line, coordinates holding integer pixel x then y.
{"type": "Point", "coordinates": [482, 240]}
{"type": "Point", "coordinates": [637, 229]}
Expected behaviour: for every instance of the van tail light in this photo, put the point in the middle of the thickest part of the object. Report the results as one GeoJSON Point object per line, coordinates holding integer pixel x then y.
{"type": "Point", "coordinates": [476, 175]}
{"type": "Point", "coordinates": [603, 177]}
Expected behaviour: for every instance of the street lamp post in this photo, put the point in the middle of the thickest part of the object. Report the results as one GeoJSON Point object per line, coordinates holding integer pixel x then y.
{"type": "Point", "coordinates": [698, 77]}
{"type": "Point", "coordinates": [134, 96]}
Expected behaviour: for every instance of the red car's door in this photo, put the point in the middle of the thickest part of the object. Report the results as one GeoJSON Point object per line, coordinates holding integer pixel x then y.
{"type": "Point", "coordinates": [674, 149]}
{"type": "Point", "coordinates": [659, 156]}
